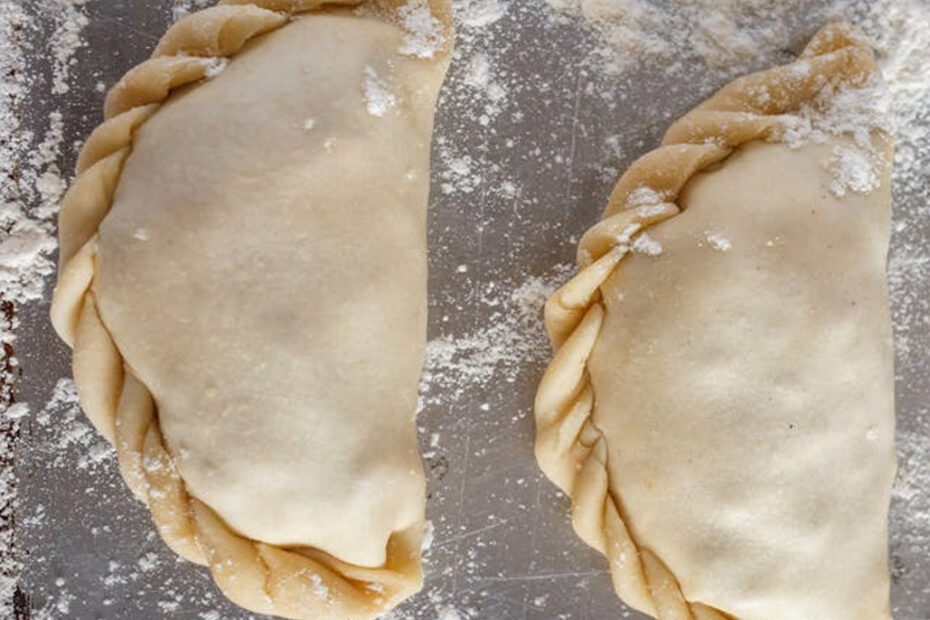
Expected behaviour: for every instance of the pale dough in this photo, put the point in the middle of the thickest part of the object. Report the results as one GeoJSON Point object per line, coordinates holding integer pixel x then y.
{"type": "Point", "coordinates": [243, 281]}
{"type": "Point", "coordinates": [747, 395]}
{"type": "Point", "coordinates": [720, 409]}
{"type": "Point", "coordinates": [270, 289]}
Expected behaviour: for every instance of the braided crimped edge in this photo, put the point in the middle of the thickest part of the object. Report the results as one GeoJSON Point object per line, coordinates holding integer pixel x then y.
{"type": "Point", "coordinates": [299, 583]}
{"type": "Point", "coordinates": [570, 449]}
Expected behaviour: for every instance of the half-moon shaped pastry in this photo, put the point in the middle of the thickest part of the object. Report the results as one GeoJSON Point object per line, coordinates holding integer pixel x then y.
{"type": "Point", "coordinates": [720, 404]}
{"type": "Point", "coordinates": [243, 281]}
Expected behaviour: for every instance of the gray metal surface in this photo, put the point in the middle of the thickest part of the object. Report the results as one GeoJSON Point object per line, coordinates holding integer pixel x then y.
{"type": "Point", "coordinates": [504, 548]}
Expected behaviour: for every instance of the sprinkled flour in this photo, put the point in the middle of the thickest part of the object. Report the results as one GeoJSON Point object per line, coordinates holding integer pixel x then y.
{"type": "Point", "coordinates": [513, 339]}
{"type": "Point", "coordinates": [424, 31]}
{"type": "Point", "coordinates": [63, 414]}
{"type": "Point", "coordinates": [378, 98]}
{"type": "Point", "coordinates": [472, 14]}
{"type": "Point", "coordinates": [911, 486]}
{"type": "Point", "coordinates": [482, 87]}
{"type": "Point", "coordinates": [854, 170]}
{"type": "Point", "coordinates": [183, 8]}
{"type": "Point", "coordinates": [726, 36]}
{"type": "Point", "coordinates": [717, 32]}
{"type": "Point", "coordinates": [853, 113]}
{"type": "Point", "coordinates": [65, 41]}
{"type": "Point", "coordinates": [31, 187]}
{"type": "Point", "coordinates": [448, 613]}
{"type": "Point", "coordinates": [644, 244]}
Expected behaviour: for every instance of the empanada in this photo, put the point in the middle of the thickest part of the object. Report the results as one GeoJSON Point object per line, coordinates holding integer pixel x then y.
{"type": "Point", "coordinates": [720, 404]}
{"type": "Point", "coordinates": [243, 281]}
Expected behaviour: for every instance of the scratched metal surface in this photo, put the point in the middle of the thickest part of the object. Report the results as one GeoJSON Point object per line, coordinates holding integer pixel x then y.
{"type": "Point", "coordinates": [503, 546]}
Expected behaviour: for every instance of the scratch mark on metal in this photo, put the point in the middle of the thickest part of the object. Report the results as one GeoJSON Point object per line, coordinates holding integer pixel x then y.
{"type": "Point", "coordinates": [458, 511]}
{"type": "Point", "coordinates": [529, 568]}
{"type": "Point", "coordinates": [125, 25]}
{"type": "Point", "coordinates": [574, 141]}
{"type": "Point", "coordinates": [470, 534]}
{"type": "Point", "coordinates": [595, 573]}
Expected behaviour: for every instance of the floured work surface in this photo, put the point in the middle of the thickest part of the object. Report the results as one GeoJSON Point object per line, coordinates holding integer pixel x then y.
{"type": "Point", "coordinates": [543, 109]}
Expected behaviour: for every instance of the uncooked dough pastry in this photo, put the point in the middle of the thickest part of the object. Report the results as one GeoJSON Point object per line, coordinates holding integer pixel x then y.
{"type": "Point", "coordinates": [243, 281]}
{"type": "Point", "coordinates": [720, 404]}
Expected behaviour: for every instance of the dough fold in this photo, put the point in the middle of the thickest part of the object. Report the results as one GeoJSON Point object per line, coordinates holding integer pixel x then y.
{"type": "Point", "coordinates": [650, 422]}
{"type": "Point", "coordinates": [287, 580]}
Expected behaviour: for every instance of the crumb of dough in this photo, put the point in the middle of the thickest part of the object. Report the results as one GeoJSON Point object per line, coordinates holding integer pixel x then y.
{"type": "Point", "coordinates": [717, 241]}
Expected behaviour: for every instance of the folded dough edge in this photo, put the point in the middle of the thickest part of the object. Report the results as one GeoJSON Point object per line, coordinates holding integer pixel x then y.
{"type": "Point", "coordinates": [570, 449]}
{"type": "Point", "coordinates": [298, 583]}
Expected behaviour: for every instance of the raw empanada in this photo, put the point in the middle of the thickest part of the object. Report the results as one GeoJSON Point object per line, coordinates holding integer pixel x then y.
{"type": "Point", "coordinates": [243, 281]}
{"type": "Point", "coordinates": [720, 403]}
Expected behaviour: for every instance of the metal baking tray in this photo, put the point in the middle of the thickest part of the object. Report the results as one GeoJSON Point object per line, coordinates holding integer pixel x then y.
{"type": "Point", "coordinates": [518, 175]}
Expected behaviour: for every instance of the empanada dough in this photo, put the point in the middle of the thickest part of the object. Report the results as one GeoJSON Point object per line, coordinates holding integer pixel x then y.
{"type": "Point", "coordinates": [249, 319]}
{"type": "Point", "coordinates": [722, 413]}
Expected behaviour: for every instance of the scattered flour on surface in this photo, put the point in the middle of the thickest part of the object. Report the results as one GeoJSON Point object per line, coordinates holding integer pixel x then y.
{"type": "Point", "coordinates": [513, 340]}
{"type": "Point", "coordinates": [480, 77]}
{"type": "Point", "coordinates": [378, 97]}
{"type": "Point", "coordinates": [900, 30]}
{"type": "Point", "coordinates": [644, 244]}
{"type": "Point", "coordinates": [32, 185]}
{"type": "Point", "coordinates": [148, 562]}
{"type": "Point", "coordinates": [854, 170]}
{"type": "Point", "coordinates": [183, 8]}
{"type": "Point", "coordinates": [472, 14]}
{"type": "Point", "coordinates": [912, 482]}
{"type": "Point", "coordinates": [17, 411]}
{"type": "Point", "coordinates": [838, 110]}
{"type": "Point", "coordinates": [476, 78]}
{"type": "Point", "coordinates": [459, 173]}
{"type": "Point", "coordinates": [65, 41]}
{"type": "Point", "coordinates": [425, 33]}
{"type": "Point", "coordinates": [448, 613]}
{"type": "Point", "coordinates": [57, 607]}
{"type": "Point", "coordinates": [69, 428]}
{"type": "Point", "coordinates": [716, 32]}
{"type": "Point", "coordinates": [851, 113]}
{"type": "Point", "coordinates": [644, 196]}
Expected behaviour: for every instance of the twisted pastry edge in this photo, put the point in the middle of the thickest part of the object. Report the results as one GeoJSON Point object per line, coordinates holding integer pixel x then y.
{"type": "Point", "coordinates": [570, 449]}
{"type": "Point", "coordinates": [298, 583]}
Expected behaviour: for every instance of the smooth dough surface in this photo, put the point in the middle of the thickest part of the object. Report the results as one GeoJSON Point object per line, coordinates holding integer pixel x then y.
{"type": "Point", "coordinates": [747, 395]}
{"type": "Point", "coordinates": [265, 277]}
